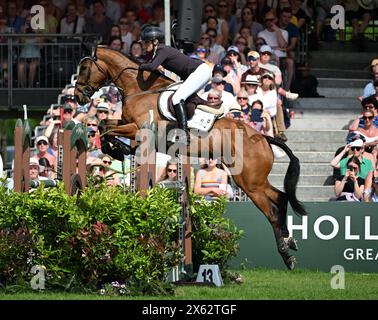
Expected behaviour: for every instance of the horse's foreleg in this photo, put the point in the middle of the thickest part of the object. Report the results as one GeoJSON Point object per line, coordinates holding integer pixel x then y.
{"type": "Point", "coordinates": [126, 130]}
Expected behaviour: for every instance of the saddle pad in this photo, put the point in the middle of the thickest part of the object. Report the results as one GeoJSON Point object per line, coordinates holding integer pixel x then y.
{"type": "Point", "coordinates": [201, 120]}
{"type": "Point", "coordinates": [163, 101]}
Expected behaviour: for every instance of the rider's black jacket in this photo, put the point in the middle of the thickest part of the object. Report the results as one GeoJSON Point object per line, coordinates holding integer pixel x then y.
{"type": "Point", "coordinates": [172, 60]}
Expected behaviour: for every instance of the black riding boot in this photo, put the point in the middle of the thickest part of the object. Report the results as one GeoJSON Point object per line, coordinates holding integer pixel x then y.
{"type": "Point", "coordinates": [182, 120]}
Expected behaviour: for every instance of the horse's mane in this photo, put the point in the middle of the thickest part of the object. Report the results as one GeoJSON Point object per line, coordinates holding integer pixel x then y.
{"type": "Point", "coordinates": [136, 61]}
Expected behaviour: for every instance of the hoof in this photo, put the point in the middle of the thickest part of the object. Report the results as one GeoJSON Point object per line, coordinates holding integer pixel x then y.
{"type": "Point", "coordinates": [290, 262]}
{"type": "Point", "coordinates": [283, 246]}
{"type": "Point", "coordinates": [292, 243]}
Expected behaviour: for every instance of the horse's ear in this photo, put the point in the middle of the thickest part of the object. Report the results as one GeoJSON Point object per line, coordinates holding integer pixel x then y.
{"type": "Point", "coordinates": [85, 49]}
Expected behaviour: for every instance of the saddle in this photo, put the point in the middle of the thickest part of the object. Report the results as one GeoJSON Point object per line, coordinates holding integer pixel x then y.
{"type": "Point", "coordinates": [201, 114]}
{"type": "Point", "coordinates": [195, 101]}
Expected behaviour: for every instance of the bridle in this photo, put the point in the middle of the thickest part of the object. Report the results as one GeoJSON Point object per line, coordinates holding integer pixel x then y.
{"type": "Point", "coordinates": [88, 90]}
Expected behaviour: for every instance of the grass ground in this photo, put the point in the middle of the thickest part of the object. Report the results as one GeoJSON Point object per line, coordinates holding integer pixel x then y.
{"type": "Point", "coordinates": [257, 284]}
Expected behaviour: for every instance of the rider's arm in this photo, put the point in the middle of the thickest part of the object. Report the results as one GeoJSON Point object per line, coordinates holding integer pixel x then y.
{"type": "Point", "coordinates": [159, 58]}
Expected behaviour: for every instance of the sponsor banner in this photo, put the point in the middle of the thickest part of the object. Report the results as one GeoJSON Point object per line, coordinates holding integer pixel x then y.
{"type": "Point", "coordinates": [332, 233]}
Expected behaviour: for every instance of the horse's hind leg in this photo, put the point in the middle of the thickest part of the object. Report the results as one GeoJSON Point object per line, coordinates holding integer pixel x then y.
{"type": "Point", "coordinates": [280, 199]}
{"type": "Point", "coordinates": [271, 211]}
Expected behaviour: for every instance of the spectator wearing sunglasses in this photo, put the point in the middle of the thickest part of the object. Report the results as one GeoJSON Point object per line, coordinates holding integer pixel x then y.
{"type": "Point", "coordinates": [94, 141]}
{"type": "Point", "coordinates": [355, 149]}
{"type": "Point", "coordinates": [218, 71]}
{"type": "Point", "coordinates": [228, 100]}
{"type": "Point", "coordinates": [235, 69]}
{"type": "Point", "coordinates": [266, 53]}
{"type": "Point", "coordinates": [42, 146]}
{"type": "Point", "coordinates": [253, 58]}
{"type": "Point", "coordinates": [274, 36]}
{"type": "Point", "coordinates": [369, 103]}
{"type": "Point", "coordinates": [110, 176]}
{"type": "Point", "coordinates": [170, 171]}
{"type": "Point", "coordinates": [102, 111]}
{"type": "Point", "coordinates": [203, 53]}
{"type": "Point", "coordinates": [350, 186]}
{"type": "Point", "coordinates": [68, 113]}
{"type": "Point", "coordinates": [370, 133]}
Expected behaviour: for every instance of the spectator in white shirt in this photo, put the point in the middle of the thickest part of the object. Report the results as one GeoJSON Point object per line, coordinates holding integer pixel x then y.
{"type": "Point", "coordinates": [274, 36]}
{"type": "Point", "coordinates": [71, 23]}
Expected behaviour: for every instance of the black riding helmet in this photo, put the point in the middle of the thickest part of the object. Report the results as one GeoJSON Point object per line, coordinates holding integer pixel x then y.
{"type": "Point", "coordinates": [150, 33]}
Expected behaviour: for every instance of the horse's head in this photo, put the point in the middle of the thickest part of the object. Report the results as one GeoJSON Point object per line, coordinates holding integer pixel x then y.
{"type": "Point", "coordinates": [92, 76]}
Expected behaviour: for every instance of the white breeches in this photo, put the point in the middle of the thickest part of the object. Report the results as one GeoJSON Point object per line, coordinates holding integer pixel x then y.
{"type": "Point", "coordinates": [198, 79]}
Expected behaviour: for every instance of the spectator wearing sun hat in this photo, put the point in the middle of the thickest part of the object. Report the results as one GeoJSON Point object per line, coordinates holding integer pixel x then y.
{"type": "Point", "coordinates": [42, 145]}
{"type": "Point", "coordinates": [250, 84]}
{"type": "Point", "coordinates": [102, 111]}
{"type": "Point", "coordinates": [369, 88]}
{"type": "Point", "coordinates": [355, 148]}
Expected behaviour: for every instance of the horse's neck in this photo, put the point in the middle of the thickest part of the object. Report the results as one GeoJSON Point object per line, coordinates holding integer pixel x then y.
{"type": "Point", "coordinates": [117, 66]}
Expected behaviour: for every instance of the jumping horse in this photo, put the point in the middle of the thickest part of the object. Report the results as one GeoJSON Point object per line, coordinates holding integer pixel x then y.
{"type": "Point", "coordinates": [141, 91]}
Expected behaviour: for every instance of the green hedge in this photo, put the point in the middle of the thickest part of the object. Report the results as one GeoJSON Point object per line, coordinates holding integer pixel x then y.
{"type": "Point", "coordinates": [106, 239]}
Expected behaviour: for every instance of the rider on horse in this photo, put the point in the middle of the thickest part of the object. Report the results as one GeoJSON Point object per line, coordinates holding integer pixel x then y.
{"type": "Point", "coordinates": [195, 73]}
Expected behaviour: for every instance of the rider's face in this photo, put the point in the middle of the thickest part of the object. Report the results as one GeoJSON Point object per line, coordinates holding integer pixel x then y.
{"type": "Point", "coordinates": [148, 46]}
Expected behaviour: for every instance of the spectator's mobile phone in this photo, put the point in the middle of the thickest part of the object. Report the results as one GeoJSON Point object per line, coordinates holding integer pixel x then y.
{"type": "Point", "coordinates": [256, 115]}
{"type": "Point", "coordinates": [237, 114]}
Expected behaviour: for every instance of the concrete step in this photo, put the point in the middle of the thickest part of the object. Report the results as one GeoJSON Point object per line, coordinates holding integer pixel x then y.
{"type": "Point", "coordinates": [340, 92]}
{"type": "Point", "coordinates": [341, 73]}
{"type": "Point", "coordinates": [304, 180]}
{"type": "Point", "coordinates": [316, 135]}
{"type": "Point", "coordinates": [306, 168]}
{"type": "Point", "coordinates": [319, 123]}
{"type": "Point", "coordinates": [314, 146]}
{"type": "Point", "coordinates": [309, 193]}
{"type": "Point", "coordinates": [332, 81]}
{"type": "Point", "coordinates": [332, 114]}
{"type": "Point", "coordinates": [341, 60]}
{"type": "Point", "coordinates": [328, 103]}
{"type": "Point", "coordinates": [310, 157]}
{"type": "Point", "coordinates": [372, 46]}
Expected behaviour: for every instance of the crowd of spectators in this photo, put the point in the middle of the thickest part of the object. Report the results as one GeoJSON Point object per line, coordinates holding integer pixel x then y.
{"type": "Point", "coordinates": [356, 171]}
{"type": "Point", "coordinates": [251, 46]}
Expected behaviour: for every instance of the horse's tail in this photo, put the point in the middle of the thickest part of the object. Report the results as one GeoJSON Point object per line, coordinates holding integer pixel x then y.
{"type": "Point", "coordinates": [291, 177]}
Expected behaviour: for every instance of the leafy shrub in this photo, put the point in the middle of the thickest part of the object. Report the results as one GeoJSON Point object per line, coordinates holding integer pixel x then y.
{"type": "Point", "coordinates": [107, 238]}
{"type": "Point", "coordinates": [215, 238]}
